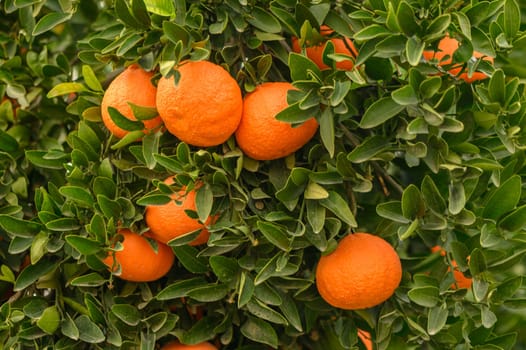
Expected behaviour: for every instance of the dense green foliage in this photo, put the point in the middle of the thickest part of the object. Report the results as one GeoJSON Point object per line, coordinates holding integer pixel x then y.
{"type": "Point", "coordinates": [404, 150]}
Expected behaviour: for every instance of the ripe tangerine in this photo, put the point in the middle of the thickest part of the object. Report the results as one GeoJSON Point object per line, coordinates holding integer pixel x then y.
{"type": "Point", "coordinates": [341, 46]}
{"type": "Point", "coordinates": [138, 261]}
{"type": "Point", "coordinates": [133, 85]}
{"type": "Point", "coordinates": [204, 107]}
{"type": "Point", "coordinates": [363, 271]}
{"type": "Point", "coordinates": [461, 281]}
{"type": "Point", "coordinates": [260, 135]}
{"type": "Point", "coordinates": [170, 220]}
{"type": "Point", "coordinates": [446, 48]}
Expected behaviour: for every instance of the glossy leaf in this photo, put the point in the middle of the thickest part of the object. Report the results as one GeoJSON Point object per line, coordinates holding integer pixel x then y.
{"type": "Point", "coordinates": [49, 21]}
{"type": "Point", "coordinates": [260, 331]}
{"type": "Point", "coordinates": [379, 112]}
{"type": "Point", "coordinates": [503, 199]}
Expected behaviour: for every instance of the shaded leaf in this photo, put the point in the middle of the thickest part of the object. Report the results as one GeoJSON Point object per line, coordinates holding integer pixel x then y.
{"type": "Point", "coordinates": [379, 112]}
{"type": "Point", "coordinates": [260, 331]}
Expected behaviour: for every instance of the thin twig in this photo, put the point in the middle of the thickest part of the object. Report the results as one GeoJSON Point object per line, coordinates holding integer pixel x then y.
{"type": "Point", "coordinates": [382, 173]}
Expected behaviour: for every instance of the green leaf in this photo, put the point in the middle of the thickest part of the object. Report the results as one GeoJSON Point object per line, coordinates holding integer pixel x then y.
{"type": "Point", "coordinates": [180, 288]}
{"type": "Point", "coordinates": [369, 148]}
{"type": "Point", "coordinates": [438, 26]}
{"type": "Point", "coordinates": [109, 207]}
{"type": "Point", "coordinates": [89, 332]}
{"type": "Point", "coordinates": [379, 112]}
{"type": "Point", "coordinates": [91, 79]}
{"type": "Point", "coordinates": [143, 112]}
{"type": "Point", "coordinates": [123, 13]}
{"type": "Point", "coordinates": [246, 289]}
{"type": "Point", "coordinates": [337, 205]}
{"type": "Point", "coordinates": [503, 199]}
{"type": "Point", "coordinates": [414, 49]}
{"type": "Point", "coordinates": [275, 234]}
{"type": "Point", "coordinates": [260, 331]}
{"type": "Point", "coordinates": [92, 279]}
{"type": "Point", "coordinates": [127, 313]}
{"type": "Point", "coordinates": [83, 245]}
{"type": "Point", "coordinates": [161, 7]}
{"type": "Point", "coordinates": [457, 197]}
{"type": "Point", "coordinates": [315, 215]}
{"type": "Point", "coordinates": [66, 89]}
{"type": "Point", "coordinates": [431, 195]}
{"type": "Point", "coordinates": [262, 311]}
{"type": "Point", "coordinates": [32, 273]}
{"type": "Point", "coordinates": [202, 330]}
{"type": "Point", "coordinates": [105, 186]}
{"type": "Point", "coordinates": [7, 142]}
{"type": "Point", "coordinates": [514, 221]}
{"type": "Point", "coordinates": [77, 194]}
{"type": "Point", "coordinates": [204, 200]}
{"type": "Point", "coordinates": [124, 123]}
{"type": "Point", "coordinates": [485, 119]}
{"type": "Point", "coordinates": [430, 87]}
{"type": "Point", "coordinates": [497, 87]}
{"type": "Point", "coordinates": [187, 255]}
{"type": "Point", "coordinates": [393, 211]}
{"type": "Point", "coordinates": [463, 23]}
{"type": "Point", "coordinates": [264, 20]}
{"type": "Point", "coordinates": [301, 67]}
{"type": "Point", "coordinates": [405, 96]}
{"type": "Point", "coordinates": [150, 147]}
{"type": "Point", "coordinates": [427, 296]}
{"type": "Point", "coordinates": [406, 19]}
{"type": "Point", "coordinates": [49, 321]}
{"type": "Point", "coordinates": [512, 18]}
{"type": "Point", "coordinates": [176, 33]}
{"type": "Point", "coordinates": [39, 247]}
{"type": "Point", "coordinates": [290, 310]}
{"type": "Point", "coordinates": [19, 227]}
{"type": "Point", "coordinates": [89, 136]}
{"type": "Point", "coordinates": [63, 224]}
{"type": "Point", "coordinates": [226, 269]}
{"type": "Point", "coordinates": [477, 262]}
{"type": "Point", "coordinates": [480, 289]}
{"type": "Point", "coordinates": [42, 159]}
{"type": "Point", "coordinates": [315, 191]}
{"type": "Point", "coordinates": [327, 130]}
{"type": "Point", "coordinates": [413, 205]}
{"type": "Point", "coordinates": [341, 89]}
{"type": "Point", "coordinates": [140, 13]}
{"type": "Point", "coordinates": [437, 318]}
{"type": "Point", "coordinates": [371, 32]}
{"type": "Point", "coordinates": [295, 115]}
{"type": "Point", "coordinates": [50, 21]}
{"type": "Point", "coordinates": [209, 293]}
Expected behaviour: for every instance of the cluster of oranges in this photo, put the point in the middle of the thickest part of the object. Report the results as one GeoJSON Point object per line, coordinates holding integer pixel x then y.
{"type": "Point", "coordinates": [203, 106]}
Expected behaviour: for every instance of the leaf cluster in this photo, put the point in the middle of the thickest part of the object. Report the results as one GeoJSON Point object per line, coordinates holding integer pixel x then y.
{"type": "Point", "coordinates": [404, 150]}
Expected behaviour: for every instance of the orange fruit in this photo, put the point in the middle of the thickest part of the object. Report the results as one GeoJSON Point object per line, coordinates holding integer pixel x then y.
{"type": "Point", "coordinates": [204, 107]}
{"type": "Point", "coordinates": [341, 46]}
{"type": "Point", "coordinates": [170, 220]}
{"type": "Point", "coordinates": [365, 337]}
{"type": "Point", "coordinates": [363, 271]}
{"type": "Point", "coordinates": [138, 261]}
{"type": "Point", "coordinates": [260, 135]}
{"type": "Point", "coordinates": [132, 85]}
{"type": "Point", "coordinates": [178, 346]}
{"type": "Point", "coordinates": [461, 281]}
{"type": "Point", "coordinates": [447, 47]}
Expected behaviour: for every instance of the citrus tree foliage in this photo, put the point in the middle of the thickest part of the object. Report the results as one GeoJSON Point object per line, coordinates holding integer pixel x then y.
{"type": "Point", "coordinates": [404, 150]}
